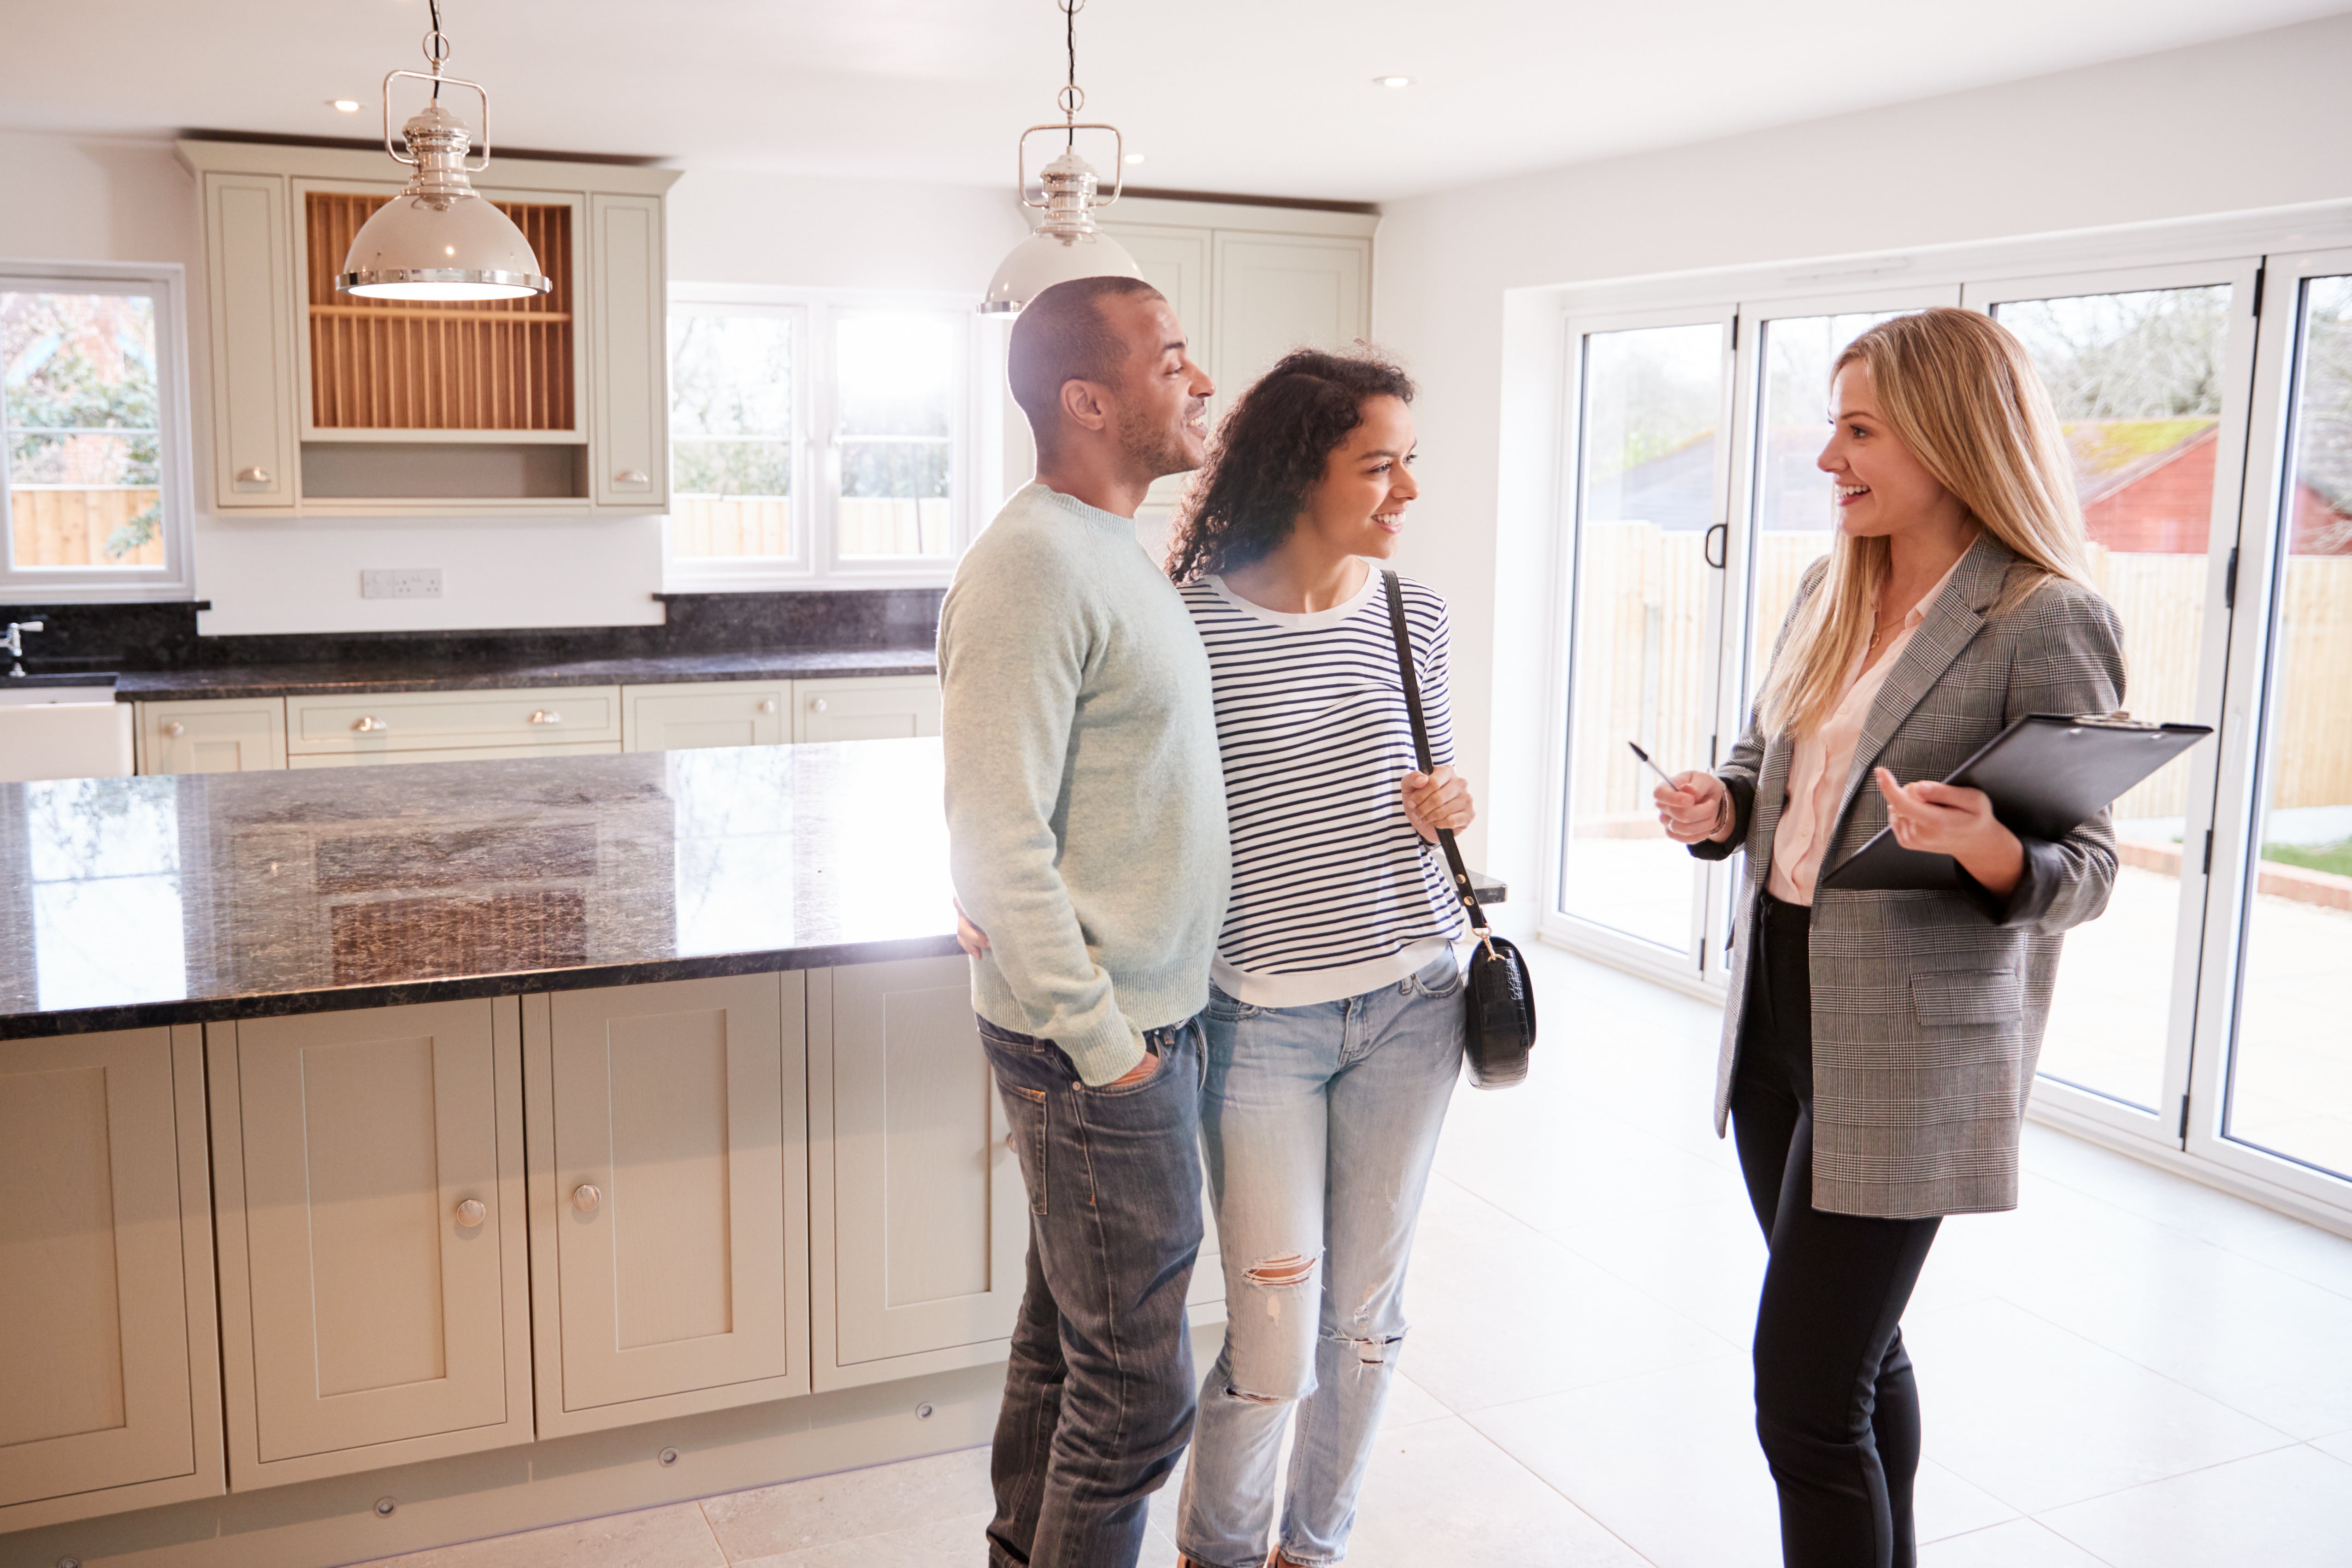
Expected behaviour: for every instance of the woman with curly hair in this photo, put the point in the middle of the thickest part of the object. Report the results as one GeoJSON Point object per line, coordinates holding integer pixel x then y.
{"type": "Point", "coordinates": [1334, 1023]}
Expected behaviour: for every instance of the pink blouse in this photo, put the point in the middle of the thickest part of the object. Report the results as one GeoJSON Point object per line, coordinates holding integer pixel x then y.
{"type": "Point", "coordinates": [1817, 773]}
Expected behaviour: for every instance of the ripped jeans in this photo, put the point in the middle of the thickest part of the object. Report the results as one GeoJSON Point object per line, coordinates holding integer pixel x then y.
{"type": "Point", "coordinates": [1320, 1123]}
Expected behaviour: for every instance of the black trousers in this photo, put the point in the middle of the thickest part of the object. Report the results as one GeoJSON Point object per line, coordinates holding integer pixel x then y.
{"type": "Point", "coordinates": [1836, 1405]}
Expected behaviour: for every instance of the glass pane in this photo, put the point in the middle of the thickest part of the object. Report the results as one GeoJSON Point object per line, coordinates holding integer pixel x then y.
{"type": "Point", "coordinates": [732, 435]}
{"type": "Point", "coordinates": [896, 378]}
{"type": "Point", "coordinates": [2136, 380]}
{"type": "Point", "coordinates": [77, 398]}
{"type": "Point", "coordinates": [895, 497]}
{"type": "Point", "coordinates": [2291, 1072]}
{"type": "Point", "coordinates": [1642, 671]}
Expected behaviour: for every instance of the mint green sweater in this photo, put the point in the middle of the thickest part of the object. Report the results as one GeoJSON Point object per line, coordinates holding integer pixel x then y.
{"type": "Point", "coordinates": [1086, 804]}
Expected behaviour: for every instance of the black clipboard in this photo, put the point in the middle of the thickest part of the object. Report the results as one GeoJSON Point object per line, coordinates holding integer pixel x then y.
{"type": "Point", "coordinates": [2046, 773]}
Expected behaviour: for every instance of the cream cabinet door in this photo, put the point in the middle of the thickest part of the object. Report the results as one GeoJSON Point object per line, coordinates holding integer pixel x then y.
{"type": "Point", "coordinates": [375, 1294]}
{"type": "Point", "coordinates": [248, 250]}
{"type": "Point", "coordinates": [921, 1222]}
{"type": "Point", "coordinates": [669, 1196]}
{"type": "Point", "coordinates": [629, 443]}
{"type": "Point", "coordinates": [224, 736]}
{"type": "Point", "coordinates": [876, 708]}
{"type": "Point", "coordinates": [706, 713]}
{"type": "Point", "coordinates": [110, 1391]}
{"type": "Point", "coordinates": [549, 719]}
{"type": "Point", "coordinates": [1276, 293]}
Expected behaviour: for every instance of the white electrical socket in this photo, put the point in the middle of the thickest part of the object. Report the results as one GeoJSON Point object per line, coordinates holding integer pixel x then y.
{"type": "Point", "coordinates": [400, 583]}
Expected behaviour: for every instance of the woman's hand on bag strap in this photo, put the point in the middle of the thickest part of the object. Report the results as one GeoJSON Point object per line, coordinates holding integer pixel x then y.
{"type": "Point", "coordinates": [1438, 800]}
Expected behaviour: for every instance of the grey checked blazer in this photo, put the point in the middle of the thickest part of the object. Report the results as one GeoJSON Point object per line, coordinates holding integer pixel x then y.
{"type": "Point", "coordinates": [1928, 1007]}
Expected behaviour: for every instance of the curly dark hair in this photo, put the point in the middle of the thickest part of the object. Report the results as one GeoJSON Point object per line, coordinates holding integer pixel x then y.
{"type": "Point", "coordinates": [1269, 456]}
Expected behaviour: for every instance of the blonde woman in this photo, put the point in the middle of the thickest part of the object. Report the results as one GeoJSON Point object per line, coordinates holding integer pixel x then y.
{"type": "Point", "coordinates": [1879, 1047]}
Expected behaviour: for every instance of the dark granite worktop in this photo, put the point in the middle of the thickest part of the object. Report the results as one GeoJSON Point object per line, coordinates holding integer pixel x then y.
{"type": "Point", "coordinates": [427, 675]}
{"type": "Point", "coordinates": [177, 899]}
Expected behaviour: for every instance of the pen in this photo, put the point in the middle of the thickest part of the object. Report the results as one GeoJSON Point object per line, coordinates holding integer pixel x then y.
{"type": "Point", "coordinates": [1651, 765]}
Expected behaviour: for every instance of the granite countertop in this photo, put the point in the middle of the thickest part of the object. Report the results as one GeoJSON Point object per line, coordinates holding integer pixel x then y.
{"type": "Point", "coordinates": [427, 675]}
{"type": "Point", "coordinates": [181, 897]}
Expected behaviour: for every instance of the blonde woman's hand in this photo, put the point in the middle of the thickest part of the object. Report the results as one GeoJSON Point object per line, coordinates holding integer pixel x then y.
{"type": "Point", "coordinates": [1950, 819]}
{"type": "Point", "coordinates": [1435, 800]}
{"type": "Point", "coordinates": [1694, 809]}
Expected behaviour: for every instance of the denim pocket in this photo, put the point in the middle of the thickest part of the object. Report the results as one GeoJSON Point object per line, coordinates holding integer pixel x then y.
{"type": "Point", "coordinates": [1024, 1108]}
{"type": "Point", "coordinates": [1230, 1009]}
{"type": "Point", "coordinates": [1440, 978]}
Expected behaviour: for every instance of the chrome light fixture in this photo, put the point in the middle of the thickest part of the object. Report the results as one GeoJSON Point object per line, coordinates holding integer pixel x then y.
{"type": "Point", "coordinates": [437, 239]}
{"type": "Point", "coordinates": [1066, 244]}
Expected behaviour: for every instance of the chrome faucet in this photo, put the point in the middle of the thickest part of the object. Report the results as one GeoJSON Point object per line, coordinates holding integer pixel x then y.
{"type": "Point", "coordinates": [14, 643]}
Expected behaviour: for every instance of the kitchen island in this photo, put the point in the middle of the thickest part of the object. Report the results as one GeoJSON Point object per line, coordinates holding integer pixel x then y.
{"type": "Point", "coordinates": [401, 1156]}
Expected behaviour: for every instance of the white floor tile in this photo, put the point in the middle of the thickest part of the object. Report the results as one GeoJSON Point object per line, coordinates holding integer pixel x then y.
{"type": "Point", "coordinates": [2040, 1417]}
{"type": "Point", "coordinates": [2291, 1509]}
{"type": "Point", "coordinates": [2020, 1544]}
{"type": "Point", "coordinates": [1942, 1504]}
{"type": "Point", "coordinates": [670, 1537]}
{"type": "Point", "coordinates": [960, 1540]}
{"type": "Point", "coordinates": [1668, 1460]}
{"type": "Point", "coordinates": [799, 1516]}
{"type": "Point", "coordinates": [2336, 1443]}
{"type": "Point", "coordinates": [1441, 1493]}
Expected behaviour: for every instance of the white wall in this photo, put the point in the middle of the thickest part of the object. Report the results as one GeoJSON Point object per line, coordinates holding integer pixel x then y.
{"type": "Point", "coordinates": [128, 199]}
{"type": "Point", "coordinates": [2248, 123]}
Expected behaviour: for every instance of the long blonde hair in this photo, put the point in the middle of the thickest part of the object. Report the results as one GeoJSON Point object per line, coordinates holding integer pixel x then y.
{"type": "Point", "coordinates": [1959, 391]}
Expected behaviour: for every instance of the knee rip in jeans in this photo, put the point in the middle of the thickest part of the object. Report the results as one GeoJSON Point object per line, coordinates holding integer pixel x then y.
{"type": "Point", "coordinates": [1275, 1273]}
{"type": "Point", "coordinates": [1370, 1352]}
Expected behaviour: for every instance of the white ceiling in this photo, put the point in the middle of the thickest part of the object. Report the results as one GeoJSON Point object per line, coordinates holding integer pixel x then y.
{"type": "Point", "coordinates": [1272, 97]}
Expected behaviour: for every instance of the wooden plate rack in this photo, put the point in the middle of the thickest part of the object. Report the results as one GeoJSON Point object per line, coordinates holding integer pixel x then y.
{"type": "Point", "coordinates": [492, 365]}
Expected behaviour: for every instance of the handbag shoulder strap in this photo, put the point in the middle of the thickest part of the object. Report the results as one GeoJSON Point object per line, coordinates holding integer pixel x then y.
{"type": "Point", "coordinates": [1421, 747]}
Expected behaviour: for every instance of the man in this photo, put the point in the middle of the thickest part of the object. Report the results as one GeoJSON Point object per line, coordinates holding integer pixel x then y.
{"type": "Point", "coordinates": [1086, 835]}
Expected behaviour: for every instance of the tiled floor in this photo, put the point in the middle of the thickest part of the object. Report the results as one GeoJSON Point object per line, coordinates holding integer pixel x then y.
{"type": "Point", "coordinates": [2131, 1370]}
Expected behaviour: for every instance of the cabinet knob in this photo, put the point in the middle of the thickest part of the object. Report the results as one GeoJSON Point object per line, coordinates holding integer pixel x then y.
{"type": "Point", "coordinates": [175, 729]}
{"type": "Point", "coordinates": [631, 476]}
{"type": "Point", "coordinates": [585, 1197]}
{"type": "Point", "coordinates": [253, 476]}
{"type": "Point", "coordinates": [816, 704]}
{"type": "Point", "coordinates": [546, 716]}
{"type": "Point", "coordinates": [370, 725]}
{"type": "Point", "coordinates": [769, 706]}
{"type": "Point", "coordinates": [471, 1213]}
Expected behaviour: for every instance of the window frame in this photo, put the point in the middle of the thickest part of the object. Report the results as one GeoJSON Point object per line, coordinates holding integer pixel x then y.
{"type": "Point", "coordinates": [817, 561]}
{"type": "Point", "coordinates": [164, 285]}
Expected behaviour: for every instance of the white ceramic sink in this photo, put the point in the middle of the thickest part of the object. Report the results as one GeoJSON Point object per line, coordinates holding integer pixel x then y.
{"type": "Point", "coordinates": [63, 732]}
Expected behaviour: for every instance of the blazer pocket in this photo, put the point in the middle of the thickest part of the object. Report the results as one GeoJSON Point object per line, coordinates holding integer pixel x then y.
{"type": "Point", "coordinates": [1949, 998]}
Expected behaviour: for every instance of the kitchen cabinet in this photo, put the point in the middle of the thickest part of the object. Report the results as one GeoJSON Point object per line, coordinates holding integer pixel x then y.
{"type": "Point", "coordinates": [110, 1376]}
{"type": "Point", "coordinates": [251, 311]}
{"type": "Point", "coordinates": [233, 736]}
{"type": "Point", "coordinates": [872, 707]}
{"type": "Point", "coordinates": [919, 1221]}
{"type": "Point", "coordinates": [405, 726]}
{"type": "Point", "coordinates": [669, 1199]}
{"type": "Point", "coordinates": [327, 406]}
{"type": "Point", "coordinates": [368, 1169]}
{"type": "Point", "coordinates": [682, 717]}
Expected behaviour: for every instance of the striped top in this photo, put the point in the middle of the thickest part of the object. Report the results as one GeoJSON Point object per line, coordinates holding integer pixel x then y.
{"type": "Point", "coordinates": [1334, 894]}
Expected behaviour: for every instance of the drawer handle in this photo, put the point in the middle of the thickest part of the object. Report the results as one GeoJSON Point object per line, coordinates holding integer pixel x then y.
{"type": "Point", "coordinates": [816, 704]}
{"type": "Point", "coordinates": [585, 1197]}
{"type": "Point", "coordinates": [253, 476]}
{"type": "Point", "coordinates": [769, 706]}
{"type": "Point", "coordinates": [546, 716]}
{"type": "Point", "coordinates": [471, 1213]}
{"type": "Point", "coordinates": [370, 725]}
{"type": "Point", "coordinates": [175, 729]}
{"type": "Point", "coordinates": [631, 476]}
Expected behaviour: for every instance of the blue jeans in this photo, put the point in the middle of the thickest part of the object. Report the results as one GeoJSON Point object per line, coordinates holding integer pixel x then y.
{"type": "Point", "coordinates": [1319, 1124]}
{"type": "Point", "coordinates": [1099, 1396]}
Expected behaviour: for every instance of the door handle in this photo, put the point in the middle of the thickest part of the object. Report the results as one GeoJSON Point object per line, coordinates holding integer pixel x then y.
{"type": "Point", "coordinates": [1708, 544]}
{"type": "Point", "coordinates": [585, 1197]}
{"type": "Point", "coordinates": [253, 476]}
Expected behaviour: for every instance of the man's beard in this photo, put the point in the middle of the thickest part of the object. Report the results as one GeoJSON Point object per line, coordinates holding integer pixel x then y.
{"type": "Point", "coordinates": [1149, 444]}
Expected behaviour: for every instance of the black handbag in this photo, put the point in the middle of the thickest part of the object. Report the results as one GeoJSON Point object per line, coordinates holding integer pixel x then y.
{"type": "Point", "coordinates": [1500, 1028]}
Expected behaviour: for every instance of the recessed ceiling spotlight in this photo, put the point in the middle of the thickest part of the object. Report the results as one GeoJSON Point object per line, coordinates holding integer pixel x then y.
{"type": "Point", "coordinates": [348, 105]}
{"type": "Point", "coordinates": [1392, 81]}
{"type": "Point", "coordinates": [1135, 157]}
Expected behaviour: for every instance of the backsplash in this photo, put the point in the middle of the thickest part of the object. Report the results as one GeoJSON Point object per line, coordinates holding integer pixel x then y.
{"type": "Point", "coordinates": [163, 635]}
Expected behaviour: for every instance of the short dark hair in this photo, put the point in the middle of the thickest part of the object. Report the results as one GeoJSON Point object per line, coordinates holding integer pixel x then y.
{"type": "Point", "coordinates": [1270, 454]}
{"type": "Point", "coordinates": [1061, 336]}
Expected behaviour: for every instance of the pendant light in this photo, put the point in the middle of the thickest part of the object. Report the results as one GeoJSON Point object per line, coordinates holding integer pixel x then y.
{"type": "Point", "coordinates": [437, 239]}
{"type": "Point", "coordinates": [1066, 244]}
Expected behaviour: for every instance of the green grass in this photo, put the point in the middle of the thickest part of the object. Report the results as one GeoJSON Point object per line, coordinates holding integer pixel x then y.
{"type": "Point", "coordinates": [2335, 858]}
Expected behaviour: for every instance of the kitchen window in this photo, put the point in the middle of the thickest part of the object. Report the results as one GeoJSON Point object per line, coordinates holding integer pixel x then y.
{"type": "Point", "coordinates": [93, 482]}
{"type": "Point", "coordinates": [818, 439]}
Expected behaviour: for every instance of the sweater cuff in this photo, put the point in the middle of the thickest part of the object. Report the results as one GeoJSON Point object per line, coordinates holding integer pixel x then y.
{"type": "Point", "coordinates": [1106, 1053]}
